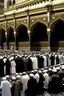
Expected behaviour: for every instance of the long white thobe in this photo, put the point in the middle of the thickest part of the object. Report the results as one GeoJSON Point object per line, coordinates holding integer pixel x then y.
{"type": "Point", "coordinates": [13, 67]}
{"type": "Point", "coordinates": [5, 86]}
{"type": "Point", "coordinates": [25, 79]}
{"type": "Point", "coordinates": [4, 60]}
{"type": "Point", "coordinates": [45, 61]}
{"type": "Point", "coordinates": [46, 82]}
{"type": "Point", "coordinates": [34, 62]}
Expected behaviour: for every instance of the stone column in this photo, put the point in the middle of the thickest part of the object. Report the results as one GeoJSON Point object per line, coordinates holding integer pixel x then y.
{"type": "Point", "coordinates": [14, 20]}
{"type": "Point", "coordinates": [12, 2]}
{"type": "Point", "coordinates": [49, 20]}
{"type": "Point", "coordinates": [48, 32]}
{"type": "Point", "coordinates": [28, 28]}
{"type": "Point", "coordinates": [6, 33]}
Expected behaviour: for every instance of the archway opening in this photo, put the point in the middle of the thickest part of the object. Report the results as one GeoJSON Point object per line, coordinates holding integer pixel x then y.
{"type": "Point", "coordinates": [22, 36]}
{"type": "Point", "coordinates": [57, 35]}
{"type": "Point", "coordinates": [3, 38]}
{"type": "Point", "coordinates": [10, 37]}
{"type": "Point", "coordinates": [38, 36]}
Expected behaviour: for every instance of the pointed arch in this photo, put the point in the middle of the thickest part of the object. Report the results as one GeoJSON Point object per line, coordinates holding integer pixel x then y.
{"type": "Point", "coordinates": [21, 24]}
{"type": "Point", "coordinates": [55, 21]}
{"type": "Point", "coordinates": [57, 34]}
{"type": "Point", "coordinates": [8, 29]}
{"type": "Point", "coordinates": [35, 23]}
{"type": "Point", "coordinates": [38, 35]}
{"type": "Point", "coordinates": [22, 34]}
{"type": "Point", "coordinates": [2, 28]}
{"type": "Point", "coordinates": [3, 37]}
{"type": "Point", "coordinates": [40, 29]}
{"type": "Point", "coordinates": [2, 33]}
{"type": "Point", "coordinates": [10, 26]}
{"type": "Point", "coordinates": [10, 34]}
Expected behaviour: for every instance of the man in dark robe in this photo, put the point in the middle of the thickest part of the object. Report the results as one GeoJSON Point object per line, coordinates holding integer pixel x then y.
{"type": "Point", "coordinates": [1, 68]}
{"type": "Point", "coordinates": [32, 87]}
{"type": "Point", "coordinates": [8, 65]}
{"type": "Point", "coordinates": [40, 61]}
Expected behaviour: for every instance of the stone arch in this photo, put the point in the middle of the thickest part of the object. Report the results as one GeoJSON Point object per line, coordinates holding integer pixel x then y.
{"type": "Point", "coordinates": [10, 37]}
{"type": "Point", "coordinates": [33, 24]}
{"type": "Point", "coordinates": [3, 37]}
{"type": "Point", "coordinates": [22, 34]}
{"type": "Point", "coordinates": [38, 35]}
{"type": "Point", "coordinates": [10, 34]}
{"type": "Point", "coordinates": [57, 34]}
{"type": "Point", "coordinates": [55, 21]}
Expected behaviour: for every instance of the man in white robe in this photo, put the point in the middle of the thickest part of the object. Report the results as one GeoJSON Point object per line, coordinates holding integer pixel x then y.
{"type": "Point", "coordinates": [34, 62]}
{"type": "Point", "coordinates": [13, 67]}
{"type": "Point", "coordinates": [25, 79]}
{"type": "Point", "coordinates": [5, 86]}
{"type": "Point", "coordinates": [46, 81]}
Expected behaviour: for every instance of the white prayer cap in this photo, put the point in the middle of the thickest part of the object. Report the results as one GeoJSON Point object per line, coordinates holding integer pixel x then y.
{"type": "Point", "coordinates": [57, 68]}
{"type": "Point", "coordinates": [4, 78]}
{"type": "Point", "coordinates": [44, 71]}
{"type": "Point", "coordinates": [39, 71]}
{"type": "Point", "coordinates": [18, 77]}
{"type": "Point", "coordinates": [31, 75]}
{"type": "Point", "coordinates": [7, 76]}
{"type": "Point", "coordinates": [35, 70]}
{"type": "Point", "coordinates": [16, 73]}
{"type": "Point", "coordinates": [16, 56]}
{"type": "Point", "coordinates": [11, 58]}
{"type": "Point", "coordinates": [54, 70]}
{"type": "Point", "coordinates": [24, 72]}
{"type": "Point", "coordinates": [20, 73]}
{"type": "Point", "coordinates": [49, 69]}
{"type": "Point", "coordinates": [13, 78]}
{"type": "Point", "coordinates": [62, 66]}
{"type": "Point", "coordinates": [25, 55]}
{"type": "Point", "coordinates": [32, 71]}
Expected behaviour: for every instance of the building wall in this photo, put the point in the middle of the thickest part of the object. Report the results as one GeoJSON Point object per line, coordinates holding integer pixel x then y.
{"type": "Point", "coordinates": [29, 14]}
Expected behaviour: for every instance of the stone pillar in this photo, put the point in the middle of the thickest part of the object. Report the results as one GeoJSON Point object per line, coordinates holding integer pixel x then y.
{"type": "Point", "coordinates": [48, 32]}
{"type": "Point", "coordinates": [49, 20]}
{"type": "Point", "coordinates": [14, 20]}
{"type": "Point", "coordinates": [28, 28]}
{"type": "Point", "coordinates": [12, 2]}
{"type": "Point", "coordinates": [6, 32]}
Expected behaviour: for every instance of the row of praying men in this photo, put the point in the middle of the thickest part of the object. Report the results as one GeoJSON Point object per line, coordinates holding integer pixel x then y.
{"type": "Point", "coordinates": [19, 63]}
{"type": "Point", "coordinates": [35, 83]}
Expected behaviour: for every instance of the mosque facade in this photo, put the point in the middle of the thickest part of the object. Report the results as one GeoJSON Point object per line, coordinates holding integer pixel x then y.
{"type": "Point", "coordinates": [32, 25]}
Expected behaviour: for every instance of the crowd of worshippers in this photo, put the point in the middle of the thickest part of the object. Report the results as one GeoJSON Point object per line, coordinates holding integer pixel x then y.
{"type": "Point", "coordinates": [12, 63]}
{"type": "Point", "coordinates": [34, 83]}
